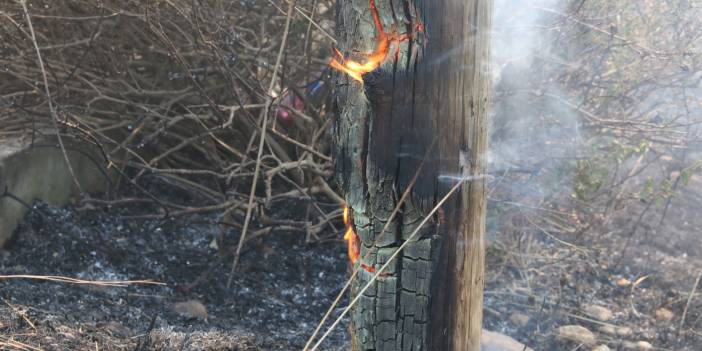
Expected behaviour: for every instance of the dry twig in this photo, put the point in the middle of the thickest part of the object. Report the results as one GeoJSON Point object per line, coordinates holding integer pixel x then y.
{"type": "Point", "coordinates": [103, 283]}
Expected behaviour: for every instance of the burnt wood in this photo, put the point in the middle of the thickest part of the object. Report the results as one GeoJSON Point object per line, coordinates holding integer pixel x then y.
{"type": "Point", "coordinates": [428, 107]}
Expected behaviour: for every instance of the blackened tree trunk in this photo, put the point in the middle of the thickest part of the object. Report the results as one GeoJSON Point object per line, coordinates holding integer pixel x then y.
{"type": "Point", "coordinates": [425, 105]}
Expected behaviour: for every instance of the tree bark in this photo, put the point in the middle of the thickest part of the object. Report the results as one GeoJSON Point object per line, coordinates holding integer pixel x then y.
{"type": "Point", "coordinates": [429, 98]}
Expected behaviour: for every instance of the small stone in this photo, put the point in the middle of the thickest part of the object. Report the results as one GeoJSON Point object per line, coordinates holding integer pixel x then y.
{"type": "Point", "coordinates": [623, 282]}
{"type": "Point", "coordinates": [602, 348]}
{"type": "Point", "coordinates": [628, 345]}
{"type": "Point", "coordinates": [608, 329]}
{"type": "Point", "coordinates": [638, 346]}
{"type": "Point", "coordinates": [518, 319]}
{"type": "Point", "coordinates": [576, 333]}
{"type": "Point", "coordinates": [191, 309]}
{"type": "Point", "coordinates": [664, 315]}
{"type": "Point", "coordinates": [492, 341]}
{"type": "Point", "coordinates": [598, 312]}
{"type": "Point", "coordinates": [644, 346]}
{"type": "Point", "coordinates": [624, 331]}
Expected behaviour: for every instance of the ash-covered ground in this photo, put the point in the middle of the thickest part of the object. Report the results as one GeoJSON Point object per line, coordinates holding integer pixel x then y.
{"type": "Point", "coordinates": [620, 287]}
{"type": "Point", "coordinates": [281, 288]}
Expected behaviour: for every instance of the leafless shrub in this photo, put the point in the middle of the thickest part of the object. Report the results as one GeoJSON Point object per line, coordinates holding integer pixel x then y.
{"type": "Point", "coordinates": [175, 91]}
{"type": "Point", "coordinates": [601, 111]}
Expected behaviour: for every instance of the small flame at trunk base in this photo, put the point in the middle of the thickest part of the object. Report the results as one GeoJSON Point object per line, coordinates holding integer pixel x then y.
{"type": "Point", "coordinates": [353, 242]}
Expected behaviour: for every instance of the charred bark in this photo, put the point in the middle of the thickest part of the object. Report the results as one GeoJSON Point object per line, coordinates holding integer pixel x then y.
{"type": "Point", "coordinates": [430, 99]}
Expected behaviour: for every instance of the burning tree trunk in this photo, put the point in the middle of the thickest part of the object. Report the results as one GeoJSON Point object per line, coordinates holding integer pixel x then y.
{"type": "Point", "coordinates": [411, 99]}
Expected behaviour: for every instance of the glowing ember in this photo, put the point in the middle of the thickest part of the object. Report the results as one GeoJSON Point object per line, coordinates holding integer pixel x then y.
{"type": "Point", "coordinates": [373, 60]}
{"type": "Point", "coordinates": [369, 269]}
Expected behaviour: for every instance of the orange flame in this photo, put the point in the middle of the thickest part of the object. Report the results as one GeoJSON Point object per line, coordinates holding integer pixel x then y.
{"type": "Point", "coordinates": [373, 60]}
{"type": "Point", "coordinates": [352, 241]}
{"type": "Point", "coordinates": [346, 215]}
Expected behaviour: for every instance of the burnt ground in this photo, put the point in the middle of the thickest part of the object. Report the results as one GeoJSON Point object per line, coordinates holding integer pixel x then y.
{"type": "Point", "coordinates": [535, 283]}
{"type": "Point", "coordinates": [281, 289]}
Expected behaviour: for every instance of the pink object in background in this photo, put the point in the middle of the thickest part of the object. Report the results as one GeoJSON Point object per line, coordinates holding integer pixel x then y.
{"type": "Point", "coordinates": [289, 102]}
{"type": "Point", "coordinates": [314, 93]}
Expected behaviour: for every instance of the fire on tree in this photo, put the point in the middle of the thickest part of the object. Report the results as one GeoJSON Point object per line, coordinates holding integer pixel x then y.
{"type": "Point", "coordinates": [411, 98]}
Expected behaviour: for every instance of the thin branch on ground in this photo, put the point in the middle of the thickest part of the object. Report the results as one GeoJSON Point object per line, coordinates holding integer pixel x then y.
{"type": "Point", "coordinates": [67, 280]}
{"type": "Point", "coordinates": [689, 301]}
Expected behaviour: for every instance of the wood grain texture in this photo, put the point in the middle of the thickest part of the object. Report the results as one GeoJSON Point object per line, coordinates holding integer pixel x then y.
{"type": "Point", "coordinates": [431, 101]}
